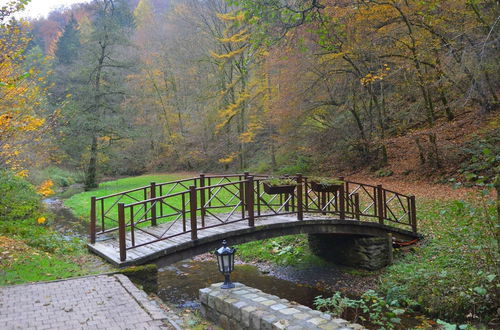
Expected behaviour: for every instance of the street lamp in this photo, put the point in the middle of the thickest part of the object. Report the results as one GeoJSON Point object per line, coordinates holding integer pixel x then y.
{"type": "Point", "coordinates": [225, 259]}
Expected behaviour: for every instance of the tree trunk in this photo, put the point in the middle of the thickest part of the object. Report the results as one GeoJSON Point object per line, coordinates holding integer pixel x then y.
{"type": "Point", "coordinates": [90, 180]}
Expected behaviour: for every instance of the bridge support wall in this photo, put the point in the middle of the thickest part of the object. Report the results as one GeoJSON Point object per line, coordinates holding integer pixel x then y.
{"type": "Point", "coordinates": [370, 253]}
{"type": "Point", "coordinates": [247, 308]}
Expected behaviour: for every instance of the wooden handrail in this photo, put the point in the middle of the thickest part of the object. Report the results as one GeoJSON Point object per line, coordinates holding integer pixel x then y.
{"type": "Point", "coordinates": [247, 196]}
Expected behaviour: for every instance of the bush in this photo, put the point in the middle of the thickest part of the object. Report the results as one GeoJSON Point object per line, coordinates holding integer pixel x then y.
{"type": "Point", "coordinates": [370, 309]}
{"type": "Point", "coordinates": [302, 164]}
{"type": "Point", "coordinates": [481, 158]}
{"type": "Point", "coordinates": [61, 177]}
{"type": "Point", "coordinates": [19, 199]}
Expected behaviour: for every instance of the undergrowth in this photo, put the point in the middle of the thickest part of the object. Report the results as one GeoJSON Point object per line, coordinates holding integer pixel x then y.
{"type": "Point", "coordinates": [453, 274]}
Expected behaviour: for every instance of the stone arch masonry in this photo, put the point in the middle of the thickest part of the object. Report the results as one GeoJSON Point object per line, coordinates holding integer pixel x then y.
{"type": "Point", "coordinates": [247, 308]}
{"type": "Point", "coordinates": [356, 251]}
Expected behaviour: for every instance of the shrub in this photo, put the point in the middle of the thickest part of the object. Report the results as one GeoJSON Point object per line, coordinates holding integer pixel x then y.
{"type": "Point", "coordinates": [19, 199]}
{"type": "Point", "coordinates": [370, 308]}
{"type": "Point", "coordinates": [61, 177]}
{"type": "Point", "coordinates": [481, 158]}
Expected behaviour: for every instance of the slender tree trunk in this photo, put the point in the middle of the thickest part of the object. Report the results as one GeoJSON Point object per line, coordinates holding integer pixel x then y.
{"type": "Point", "coordinates": [90, 181]}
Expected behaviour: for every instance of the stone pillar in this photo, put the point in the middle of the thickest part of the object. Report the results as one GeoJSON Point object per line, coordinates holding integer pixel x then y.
{"type": "Point", "coordinates": [370, 253]}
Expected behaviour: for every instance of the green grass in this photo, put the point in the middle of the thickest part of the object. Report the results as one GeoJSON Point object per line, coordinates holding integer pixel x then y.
{"type": "Point", "coordinates": [285, 251]}
{"type": "Point", "coordinates": [80, 203]}
{"type": "Point", "coordinates": [31, 252]}
{"type": "Point", "coordinates": [34, 266]}
{"type": "Point", "coordinates": [453, 274]}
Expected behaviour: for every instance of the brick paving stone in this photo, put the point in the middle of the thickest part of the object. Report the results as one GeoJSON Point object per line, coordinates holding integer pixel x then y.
{"type": "Point", "coordinates": [94, 302]}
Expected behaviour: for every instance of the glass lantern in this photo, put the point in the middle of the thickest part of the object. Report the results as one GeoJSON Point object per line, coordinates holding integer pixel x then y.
{"type": "Point", "coordinates": [225, 261]}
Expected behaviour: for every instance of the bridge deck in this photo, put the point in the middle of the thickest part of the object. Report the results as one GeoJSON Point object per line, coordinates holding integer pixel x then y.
{"type": "Point", "coordinates": [108, 247]}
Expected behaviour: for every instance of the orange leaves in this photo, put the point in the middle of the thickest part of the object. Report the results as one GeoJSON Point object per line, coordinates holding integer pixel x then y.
{"type": "Point", "coordinates": [45, 189]}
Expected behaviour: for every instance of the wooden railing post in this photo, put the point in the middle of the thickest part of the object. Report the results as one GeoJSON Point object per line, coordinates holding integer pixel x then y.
{"type": "Point", "coordinates": [121, 231]}
{"type": "Point", "coordinates": [202, 200]}
{"type": "Point", "coordinates": [356, 206]}
{"type": "Point", "coordinates": [243, 191]}
{"type": "Point", "coordinates": [193, 209]}
{"type": "Point", "coordinates": [342, 199]}
{"type": "Point", "coordinates": [287, 204]}
{"type": "Point", "coordinates": [300, 210]}
{"type": "Point", "coordinates": [92, 219]}
{"type": "Point", "coordinates": [153, 204]}
{"type": "Point", "coordinates": [306, 194]}
{"type": "Point", "coordinates": [413, 214]}
{"type": "Point", "coordinates": [380, 204]}
{"type": "Point", "coordinates": [249, 197]}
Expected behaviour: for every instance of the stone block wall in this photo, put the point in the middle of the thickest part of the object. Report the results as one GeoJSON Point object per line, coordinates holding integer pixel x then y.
{"type": "Point", "coordinates": [360, 252]}
{"type": "Point", "coordinates": [247, 308]}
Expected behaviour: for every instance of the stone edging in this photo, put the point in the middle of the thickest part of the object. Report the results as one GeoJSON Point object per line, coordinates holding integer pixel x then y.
{"type": "Point", "coordinates": [247, 308]}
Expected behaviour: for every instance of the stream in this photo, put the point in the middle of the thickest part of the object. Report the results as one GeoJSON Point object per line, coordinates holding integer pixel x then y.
{"type": "Point", "coordinates": [179, 283]}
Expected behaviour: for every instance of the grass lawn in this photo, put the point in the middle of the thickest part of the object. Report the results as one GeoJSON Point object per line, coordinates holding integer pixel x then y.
{"type": "Point", "coordinates": [30, 252]}
{"type": "Point", "coordinates": [80, 203]}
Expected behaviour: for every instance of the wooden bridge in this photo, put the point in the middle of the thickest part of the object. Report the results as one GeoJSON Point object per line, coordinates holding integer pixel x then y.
{"type": "Point", "coordinates": [180, 219]}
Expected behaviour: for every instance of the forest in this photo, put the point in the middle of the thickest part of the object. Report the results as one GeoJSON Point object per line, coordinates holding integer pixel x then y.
{"type": "Point", "coordinates": [124, 87]}
{"type": "Point", "coordinates": [106, 95]}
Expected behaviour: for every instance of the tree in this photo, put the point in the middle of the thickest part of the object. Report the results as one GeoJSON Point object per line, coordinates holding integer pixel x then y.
{"type": "Point", "coordinates": [94, 116]}
{"type": "Point", "coordinates": [21, 92]}
{"type": "Point", "coordinates": [68, 44]}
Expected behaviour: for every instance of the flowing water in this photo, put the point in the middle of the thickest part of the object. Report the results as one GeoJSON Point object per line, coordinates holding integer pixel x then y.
{"type": "Point", "coordinates": [65, 221]}
{"type": "Point", "coordinates": [180, 282]}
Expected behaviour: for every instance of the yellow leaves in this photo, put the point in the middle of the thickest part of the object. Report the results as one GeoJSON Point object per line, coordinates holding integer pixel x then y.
{"type": "Point", "coordinates": [104, 139]}
{"type": "Point", "coordinates": [331, 57]}
{"type": "Point", "coordinates": [228, 55]}
{"type": "Point", "coordinates": [230, 111]}
{"type": "Point", "coordinates": [41, 220]}
{"type": "Point", "coordinates": [22, 174]}
{"type": "Point", "coordinates": [237, 37]}
{"type": "Point", "coordinates": [238, 16]}
{"type": "Point", "coordinates": [229, 159]}
{"type": "Point", "coordinates": [31, 123]}
{"type": "Point", "coordinates": [371, 78]}
{"type": "Point", "coordinates": [253, 127]}
{"type": "Point", "coordinates": [45, 189]}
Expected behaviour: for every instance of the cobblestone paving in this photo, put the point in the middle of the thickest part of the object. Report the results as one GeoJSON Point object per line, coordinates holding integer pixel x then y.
{"type": "Point", "coordinates": [94, 302]}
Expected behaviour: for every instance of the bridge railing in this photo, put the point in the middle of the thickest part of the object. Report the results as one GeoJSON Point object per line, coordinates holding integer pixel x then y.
{"type": "Point", "coordinates": [104, 209]}
{"type": "Point", "coordinates": [226, 199]}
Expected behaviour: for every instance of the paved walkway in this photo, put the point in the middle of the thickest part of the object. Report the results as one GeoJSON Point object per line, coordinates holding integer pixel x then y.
{"type": "Point", "coordinates": [94, 302]}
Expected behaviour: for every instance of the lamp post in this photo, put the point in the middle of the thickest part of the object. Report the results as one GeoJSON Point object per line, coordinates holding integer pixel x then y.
{"type": "Point", "coordinates": [225, 260]}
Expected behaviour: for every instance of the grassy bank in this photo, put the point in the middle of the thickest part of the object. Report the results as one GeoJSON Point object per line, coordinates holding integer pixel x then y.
{"type": "Point", "coordinates": [453, 273]}
{"type": "Point", "coordinates": [32, 252]}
